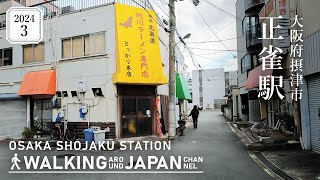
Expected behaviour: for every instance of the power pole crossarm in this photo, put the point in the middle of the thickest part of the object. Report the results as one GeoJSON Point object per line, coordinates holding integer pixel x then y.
{"type": "Point", "coordinates": [172, 74]}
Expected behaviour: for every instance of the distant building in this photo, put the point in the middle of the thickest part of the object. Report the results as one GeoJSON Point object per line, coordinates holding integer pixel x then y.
{"type": "Point", "coordinates": [208, 88]}
{"type": "Point", "coordinates": [231, 79]}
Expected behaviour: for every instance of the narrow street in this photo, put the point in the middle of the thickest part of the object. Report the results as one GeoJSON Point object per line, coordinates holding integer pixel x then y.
{"type": "Point", "coordinates": [224, 157]}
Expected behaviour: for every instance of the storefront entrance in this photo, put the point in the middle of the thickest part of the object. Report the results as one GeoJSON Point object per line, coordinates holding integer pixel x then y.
{"type": "Point", "coordinates": [136, 119]}
{"type": "Point", "coordinates": [137, 110]}
{"type": "Point", "coordinates": [41, 115]}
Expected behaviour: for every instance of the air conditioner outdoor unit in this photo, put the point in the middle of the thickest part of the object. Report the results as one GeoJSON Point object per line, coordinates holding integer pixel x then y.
{"type": "Point", "coordinates": [67, 9]}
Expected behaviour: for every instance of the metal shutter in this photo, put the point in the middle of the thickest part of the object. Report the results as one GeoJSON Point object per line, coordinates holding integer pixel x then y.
{"type": "Point", "coordinates": [314, 105]}
{"type": "Point", "coordinates": [13, 118]}
{"type": "Point", "coordinates": [254, 111]}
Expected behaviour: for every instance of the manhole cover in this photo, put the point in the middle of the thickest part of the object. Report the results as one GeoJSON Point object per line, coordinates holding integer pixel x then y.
{"type": "Point", "coordinates": [65, 155]}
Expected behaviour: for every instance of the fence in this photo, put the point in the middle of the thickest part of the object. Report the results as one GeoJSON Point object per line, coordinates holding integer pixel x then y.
{"type": "Point", "coordinates": [55, 7]}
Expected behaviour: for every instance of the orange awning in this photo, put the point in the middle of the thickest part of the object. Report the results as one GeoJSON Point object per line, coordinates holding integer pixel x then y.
{"type": "Point", "coordinates": [39, 82]}
{"type": "Point", "coordinates": [253, 77]}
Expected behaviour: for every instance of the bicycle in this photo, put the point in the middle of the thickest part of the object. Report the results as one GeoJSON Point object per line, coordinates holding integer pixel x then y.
{"type": "Point", "coordinates": [57, 133]}
{"type": "Point", "coordinates": [284, 125]}
{"type": "Point", "coordinates": [260, 129]}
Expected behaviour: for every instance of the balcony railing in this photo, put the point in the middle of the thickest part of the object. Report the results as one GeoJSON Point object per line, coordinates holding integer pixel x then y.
{"type": "Point", "coordinates": [254, 5]}
{"type": "Point", "coordinates": [13, 0]}
{"type": "Point", "coordinates": [55, 7]}
{"type": "Point", "coordinates": [253, 34]}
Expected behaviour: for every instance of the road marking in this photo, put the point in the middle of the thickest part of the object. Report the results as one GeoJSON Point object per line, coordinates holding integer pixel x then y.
{"type": "Point", "coordinates": [193, 142]}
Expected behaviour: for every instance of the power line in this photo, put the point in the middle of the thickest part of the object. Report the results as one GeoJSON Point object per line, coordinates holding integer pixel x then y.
{"type": "Point", "coordinates": [165, 12]}
{"type": "Point", "coordinates": [214, 32]}
{"type": "Point", "coordinates": [222, 10]}
{"type": "Point", "coordinates": [159, 22]}
{"type": "Point", "coordinates": [217, 60]}
{"type": "Point", "coordinates": [215, 41]}
{"type": "Point", "coordinates": [220, 50]}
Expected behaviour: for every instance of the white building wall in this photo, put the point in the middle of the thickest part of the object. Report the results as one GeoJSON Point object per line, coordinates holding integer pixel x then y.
{"type": "Point", "coordinates": [233, 78]}
{"type": "Point", "coordinates": [241, 41]}
{"type": "Point", "coordinates": [96, 71]}
{"type": "Point", "coordinates": [164, 50]}
{"type": "Point", "coordinates": [213, 83]}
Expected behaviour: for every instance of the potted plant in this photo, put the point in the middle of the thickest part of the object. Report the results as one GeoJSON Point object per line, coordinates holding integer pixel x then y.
{"type": "Point", "coordinates": [27, 133]}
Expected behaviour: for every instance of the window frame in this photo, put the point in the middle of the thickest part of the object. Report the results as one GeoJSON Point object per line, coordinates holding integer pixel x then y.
{"type": "Point", "coordinates": [33, 54]}
{"type": "Point", "coordinates": [83, 46]}
{"type": "Point", "coordinates": [2, 59]}
{"type": "Point", "coordinates": [252, 65]}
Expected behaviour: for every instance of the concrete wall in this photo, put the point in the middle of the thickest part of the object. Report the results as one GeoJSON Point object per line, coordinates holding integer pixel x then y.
{"type": "Point", "coordinates": [213, 83]}
{"type": "Point", "coordinates": [164, 50]}
{"type": "Point", "coordinates": [241, 42]}
{"type": "Point", "coordinates": [96, 71]}
{"type": "Point", "coordinates": [4, 6]}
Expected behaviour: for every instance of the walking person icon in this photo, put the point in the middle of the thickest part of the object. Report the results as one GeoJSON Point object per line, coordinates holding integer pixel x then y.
{"type": "Point", "coordinates": [15, 161]}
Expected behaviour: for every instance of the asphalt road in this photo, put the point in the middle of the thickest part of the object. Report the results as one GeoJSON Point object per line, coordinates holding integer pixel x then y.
{"type": "Point", "coordinates": [223, 156]}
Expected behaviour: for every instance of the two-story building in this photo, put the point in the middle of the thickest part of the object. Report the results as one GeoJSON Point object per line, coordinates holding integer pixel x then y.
{"type": "Point", "coordinates": [99, 63]}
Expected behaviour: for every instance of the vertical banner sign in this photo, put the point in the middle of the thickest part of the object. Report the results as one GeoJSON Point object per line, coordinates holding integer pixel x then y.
{"type": "Point", "coordinates": [137, 47]}
{"type": "Point", "coordinates": [283, 10]}
{"type": "Point", "coordinates": [24, 25]}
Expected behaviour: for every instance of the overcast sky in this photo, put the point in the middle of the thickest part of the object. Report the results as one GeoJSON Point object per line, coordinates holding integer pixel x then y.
{"type": "Point", "coordinates": [189, 21]}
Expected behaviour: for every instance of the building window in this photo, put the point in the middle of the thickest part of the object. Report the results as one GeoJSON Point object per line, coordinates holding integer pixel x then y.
{"type": "Point", "coordinates": [249, 61]}
{"type": "Point", "coordinates": [33, 53]}
{"type": "Point", "coordinates": [245, 63]}
{"type": "Point", "coordinates": [85, 45]}
{"type": "Point", "coordinates": [5, 57]}
{"type": "Point", "coordinates": [249, 21]}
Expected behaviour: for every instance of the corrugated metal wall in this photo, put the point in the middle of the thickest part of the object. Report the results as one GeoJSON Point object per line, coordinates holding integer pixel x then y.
{"type": "Point", "coordinates": [314, 111]}
{"type": "Point", "coordinates": [254, 111]}
{"type": "Point", "coordinates": [13, 118]}
{"type": "Point", "coordinates": [311, 54]}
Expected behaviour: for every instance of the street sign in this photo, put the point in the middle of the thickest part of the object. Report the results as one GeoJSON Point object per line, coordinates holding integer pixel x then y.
{"type": "Point", "coordinates": [24, 25]}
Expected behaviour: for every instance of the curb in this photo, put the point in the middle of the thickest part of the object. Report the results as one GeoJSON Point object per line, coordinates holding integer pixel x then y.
{"type": "Point", "coordinates": [269, 167]}
{"type": "Point", "coordinates": [248, 144]}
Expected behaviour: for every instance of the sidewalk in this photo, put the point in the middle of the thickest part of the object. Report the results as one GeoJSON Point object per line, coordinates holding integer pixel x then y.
{"type": "Point", "coordinates": [283, 161]}
{"type": "Point", "coordinates": [250, 143]}
{"type": "Point", "coordinates": [298, 164]}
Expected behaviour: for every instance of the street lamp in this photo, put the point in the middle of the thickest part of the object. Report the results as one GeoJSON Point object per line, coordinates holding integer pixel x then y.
{"type": "Point", "coordinates": [185, 37]}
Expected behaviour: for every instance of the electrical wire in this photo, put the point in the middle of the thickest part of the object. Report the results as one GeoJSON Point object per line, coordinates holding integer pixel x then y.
{"type": "Point", "coordinates": [215, 41]}
{"type": "Point", "coordinates": [160, 23]}
{"type": "Point", "coordinates": [222, 10]}
{"type": "Point", "coordinates": [220, 50]}
{"type": "Point", "coordinates": [214, 32]}
{"type": "Point", "coordinates": [164, 11]}
{"type": "Point", "coordinates": [215, 60]}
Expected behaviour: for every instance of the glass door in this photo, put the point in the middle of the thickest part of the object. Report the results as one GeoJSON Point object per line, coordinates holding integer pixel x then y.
{"type": "Point", "coordinates": [129, 117]}
{"type": "Point", "coordinates": [144, 117]}
{"type": "Point", "coordinates": [42, 116]}
{"type": "Point", "coordinates": [136, 118]}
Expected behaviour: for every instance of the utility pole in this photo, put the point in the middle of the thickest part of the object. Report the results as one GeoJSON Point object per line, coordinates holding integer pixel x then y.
{"type": "Point", "coordinates": [172, 74]}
